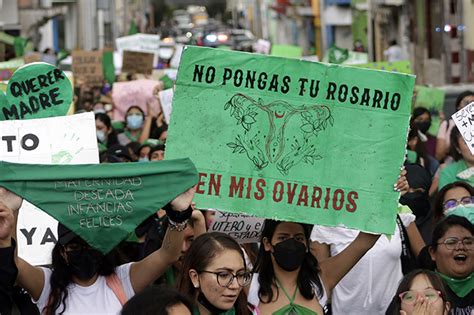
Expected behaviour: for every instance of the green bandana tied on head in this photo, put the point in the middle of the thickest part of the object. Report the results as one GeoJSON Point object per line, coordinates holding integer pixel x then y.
{"type": "Point", "coordinates": [461, 287]}
{"type": "Point", "coordinates": [101, 203]}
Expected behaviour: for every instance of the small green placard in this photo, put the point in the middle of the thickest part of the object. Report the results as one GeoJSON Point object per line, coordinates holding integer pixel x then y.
{"type": "Point", "coordinates": [37, 90]}
{"type": "Point", "coordinates": [287, 51]}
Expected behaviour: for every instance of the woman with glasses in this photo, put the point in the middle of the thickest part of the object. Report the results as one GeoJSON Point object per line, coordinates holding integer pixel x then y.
{"type": "Point", "coordinates": [452, 251]}
{"type": "Point", "coordinates": [214, 274]}
{"type": "Point", "coordinates": [421, 292]}
{"type": "Point", "coordinates": [454, 199]}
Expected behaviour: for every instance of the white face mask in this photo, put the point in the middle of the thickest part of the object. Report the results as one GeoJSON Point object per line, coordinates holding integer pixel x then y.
{"type": "Point", "coordinates": [466, 211]}
{"type": "Point", "coordinates": [143, 159]}
{"type": "Point", "coordinates": [101, 136]}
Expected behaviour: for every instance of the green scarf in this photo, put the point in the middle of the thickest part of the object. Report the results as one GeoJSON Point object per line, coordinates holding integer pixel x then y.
{"type": "Point", "coordinates": [101, 203]}
{"type": "Point", "coordinates": [461, 287]}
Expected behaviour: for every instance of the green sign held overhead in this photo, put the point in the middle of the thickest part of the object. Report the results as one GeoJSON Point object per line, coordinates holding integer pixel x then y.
{"type": "Point", "coordinates": [37, 90]}
{"type": "Point", "coordinates": [290, 139]}
{"type": "Point", "coordinates": [101, 203]}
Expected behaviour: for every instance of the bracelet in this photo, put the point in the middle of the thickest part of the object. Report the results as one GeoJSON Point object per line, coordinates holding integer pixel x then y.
{"type": "Point", "coordinates": [175, 226]}
{"type": "Point", "coordinates": [178, 216]}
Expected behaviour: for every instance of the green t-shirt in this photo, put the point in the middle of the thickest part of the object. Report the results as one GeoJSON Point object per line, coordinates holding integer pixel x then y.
{"type": "Point", "coordinates": [449, 174]}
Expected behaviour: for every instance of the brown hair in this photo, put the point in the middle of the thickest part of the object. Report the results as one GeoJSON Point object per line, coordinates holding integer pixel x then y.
{"type": "Point", "coordinates": [200, 254]}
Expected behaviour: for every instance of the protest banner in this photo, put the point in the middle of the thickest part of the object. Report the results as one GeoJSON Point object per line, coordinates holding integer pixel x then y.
{"type": "Point", "coordinates": [101, 203]}
{"type": "Point", "coordinates": [396, 66]}
{"type": "Point", "coordinates": [87, 67]}
{"type": "Point", "coordinates": [243, 228]}
{"type": "Point", "coordinates": [464, 120]}
{"type": "Point", "coordinates": [137, 62]}
{"type": "Point", "coordinates": [433, 100]}
{"type": "Point", "coordinates": [137, 92]}
{"type": "Point", "coordinates": [166, 99]}
{"type": "Point", "coordinates": [36, 90]}
{"type": "Point", "coordinates": [139, 42]}
{"type": "Point", "coordinates": [307, 142]}
{"type": "Point", "coordinates": [66, 140]}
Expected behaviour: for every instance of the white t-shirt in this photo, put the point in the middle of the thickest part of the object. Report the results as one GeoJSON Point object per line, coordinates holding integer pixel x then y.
{"type": "Point", "coordinates": [370, 285]}
{"type": "Point", "coordinates": [95, 299]}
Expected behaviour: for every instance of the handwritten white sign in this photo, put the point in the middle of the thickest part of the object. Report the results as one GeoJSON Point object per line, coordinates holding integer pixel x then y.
{"type": "Point", "coordinates": [58, 140]}
{"type": "Point", "coordinates": [464, 120]}
{"type": "Point", "coordinates": [166, 100]}
{"type": "Point", "coordinates": [243, 228]}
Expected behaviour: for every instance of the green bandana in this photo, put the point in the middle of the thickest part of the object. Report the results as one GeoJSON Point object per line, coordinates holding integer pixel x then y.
{"type": "Point", "coordinates": [101, 203]}
{"type": "Point", "coordinates": [461, 287]}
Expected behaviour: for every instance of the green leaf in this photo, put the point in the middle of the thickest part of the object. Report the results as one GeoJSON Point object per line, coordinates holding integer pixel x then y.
{"type": "Point", "coordinates": [248, 119]}
{"type": "Point", "coordinates": [307, 128]}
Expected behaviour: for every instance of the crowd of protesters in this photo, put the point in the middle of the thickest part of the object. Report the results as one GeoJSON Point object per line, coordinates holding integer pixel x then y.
{"type": "Point", "coordinates": [176, 266]}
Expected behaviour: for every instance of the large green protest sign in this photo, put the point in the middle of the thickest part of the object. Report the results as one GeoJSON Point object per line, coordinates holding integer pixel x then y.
{"type": "Point", "coordinates": [290, 139]}
{"type": "Point", "coordinates": [102, 203]}
{"type": "Point", "coordinates": [36, 90]}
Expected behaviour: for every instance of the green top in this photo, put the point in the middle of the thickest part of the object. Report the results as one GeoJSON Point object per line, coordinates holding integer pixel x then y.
{"type": "Point", "coordinates": [449, 174]}
{"type": "Point", "coordinates": [292, 309]}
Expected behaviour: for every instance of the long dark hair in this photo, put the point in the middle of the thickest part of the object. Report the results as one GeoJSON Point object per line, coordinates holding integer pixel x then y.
{"type": "Point", "coordinates": [460, 97]}
{"type": "Point", "coordinates": [200, 254]}
{"type": "Point", "coordinates": [156, 300]}
{"type": "Point", "coordinates": [407, 281]}
{"type": "Point", "coordinates": [454, 145]}
{"type": "Point", "coordinates": [438, 204]}
{"type": "Point", "coordinates": [61, 277]}
{"type": "Point", "coordinates": [307, 276]}
{"type": "Point", "coordinates": [112, 136]}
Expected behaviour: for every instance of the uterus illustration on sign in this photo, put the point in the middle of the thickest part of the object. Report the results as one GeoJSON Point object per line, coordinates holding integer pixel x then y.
{"type": "Point", "coordinates": [265, 137]}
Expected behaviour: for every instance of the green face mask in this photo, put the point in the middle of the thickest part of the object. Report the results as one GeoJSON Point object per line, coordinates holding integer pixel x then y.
{"type": "Point", "coordinates": [466, 211]}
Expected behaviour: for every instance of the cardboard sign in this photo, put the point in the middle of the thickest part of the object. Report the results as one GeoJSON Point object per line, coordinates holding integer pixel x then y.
{"type": "Point", "coordinates": [166, 100]}
{"type": "Point", "coordinates": [176, 59]}
{"type": "Point", "coordinates": [67, 140]}
{"type": "Point", "coordinates": [32, 57]}
{"type": "Point", "coordinates": [243, 228]}
{"type": "Point", "coordinates": [137, 62]}
{"type": "Point", "coordinates": [139, 42]}
{"type": "Point", "coordinates": [36, 90]}
{"type": "Point", "coordinates": [101, 203]}
{"type": "Point", "coordinates": [307, 142]}
{"type": "Point", "coordinates": [87, 67]}
{"type": "Point", "coordinates": [137, 92]}
{"type": "Point", "coordinates": [464, 120]}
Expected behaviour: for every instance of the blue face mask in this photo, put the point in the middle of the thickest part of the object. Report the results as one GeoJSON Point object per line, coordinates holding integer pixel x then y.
{"type": "Point", "coordinates": [144, 159]}
{"type": "Point", "coordinates": [134, 121]}
{"type": "Point", "coordinates": [466, 211]}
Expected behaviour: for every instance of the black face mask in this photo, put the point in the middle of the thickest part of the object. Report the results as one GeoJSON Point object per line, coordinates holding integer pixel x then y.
{"type": "Point", "coordinates": [205, 302]}
{"type": "Point", "coordinates": [418, 202]}
{"type": "Point", "coordinates": [423, 126]}
{"type": "Point", "coordinates": [289, 254]}
{"type": "Point", "coordinates": [84, 263]}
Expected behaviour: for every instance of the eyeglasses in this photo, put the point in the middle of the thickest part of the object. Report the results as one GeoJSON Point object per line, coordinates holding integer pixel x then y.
{"type": "Point", "coordinates": [452, 242]}
{"type": "Point", "coordinates": [225, 278]}
{"type": "Point", "coordinates": [409, 297]}
{"type": "Point", "coordinates": [451, 203]}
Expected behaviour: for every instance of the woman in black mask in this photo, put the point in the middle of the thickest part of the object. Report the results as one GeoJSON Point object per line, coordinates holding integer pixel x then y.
{"type": "Point", "coordinates": [288, 278]}
{"type": "Point", "coordinates": [84, 281]}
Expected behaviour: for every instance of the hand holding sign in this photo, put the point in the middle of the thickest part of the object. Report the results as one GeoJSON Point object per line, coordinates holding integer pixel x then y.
{"type": "Point", "coordinates": [464, 120]}
{"type": "Point", "coordinates": [36, 90]}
